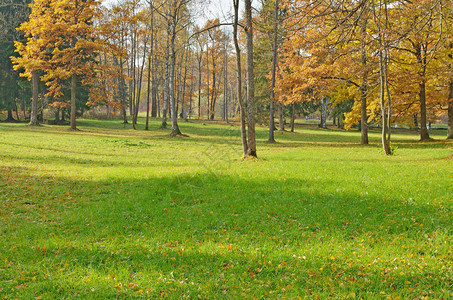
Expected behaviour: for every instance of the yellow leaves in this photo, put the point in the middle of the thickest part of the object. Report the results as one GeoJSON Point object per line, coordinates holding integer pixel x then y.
{"type": "Point", "coordinates": [119, 285]}
{"type": "Point", "coordinates": [60, 41]}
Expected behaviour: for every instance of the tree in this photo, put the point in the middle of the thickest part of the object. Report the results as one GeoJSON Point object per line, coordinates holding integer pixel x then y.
{"type": "Point", "coordinates": [251, 148]}
{"type": "Point", "coordinates": [274, 71]}
{"type": "Point", "coordinates": [61, 41]}
{"type": "Point", "coordinates": [419, 34]}
{"type": "Point", "coordinates": [175, 14]}
{"type": "Point", "coordinates": [239, 79]}
{"type": "Point", "coordinates": [215, 59]}
{"type": "Point", "coordinates": [12, 13]}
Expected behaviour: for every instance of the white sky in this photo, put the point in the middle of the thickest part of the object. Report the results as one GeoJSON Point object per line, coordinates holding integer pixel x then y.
{"type": "Point", "coordinates": [222, 9]}
{"type": "Point", "coordinates": [208, 9]}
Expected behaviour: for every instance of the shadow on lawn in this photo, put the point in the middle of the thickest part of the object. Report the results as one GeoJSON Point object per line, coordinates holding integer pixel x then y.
{"type": "Point", "coordinates": [228, 200]}
{"type": "Point", "coordinates": [225, 234]}
{"type": "Point", "coordinates": [230, 135]}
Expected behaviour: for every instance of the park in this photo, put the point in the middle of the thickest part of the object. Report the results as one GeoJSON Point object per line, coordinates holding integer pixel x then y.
{"type": "Point", "coordinates": [109, 212]}
{"type": "Point", "coordinates": [226, 149]}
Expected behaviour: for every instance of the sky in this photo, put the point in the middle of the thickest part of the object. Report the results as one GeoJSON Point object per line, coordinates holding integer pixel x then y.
{"type": "Point", "coordinates": [219, 8]}
{"type": "Point", "coordinates": [209, 9]}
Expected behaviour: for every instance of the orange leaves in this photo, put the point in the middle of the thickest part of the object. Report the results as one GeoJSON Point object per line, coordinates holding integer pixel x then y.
{"type": "Point", "coordinates": [61, 40]}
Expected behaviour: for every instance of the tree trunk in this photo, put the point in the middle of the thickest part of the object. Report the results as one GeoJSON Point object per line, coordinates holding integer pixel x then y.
{"type": "Point", "coordinates": [57, 117]}
{"type": "Point", "coordinates": [251, 150]}
{"type": "Point", "coordinates": [166, 89]}
{"type": "Point", "coordinates": [158, 104]}
{"type": "Point", "coordinates": [363, 102]}
{"type": "Point", "coordinates": [323, 123]}
{"type": "Point", "coordinates": [450, 113]}
{"type": "Point", "coordinates": [122, 91]}
{"type": "Point", "coordinates": [415, 118]}
{"type": "Point", "coordinates": [148, 91]}
{"type": "Point", "coordinates": [382, 78]}
{"type": "Point", "coordinates": [385, 142]}
{"type": "Point", "coordinates": [183, 94]}
{"type": "Point", "coordinates": [174, 115]}
{"type": "Point", "coordinates": [225, 82]}
{"type": "Point", "coordinates": [207, 85]}
{"type": "Point", "coordinates": [424, 135]}
{"type": "Point", "coordinates": [211, 106]}
{"type": "Point", "coordinates": [281, 121]}
{"type": "Point", "coordinates": [293, 116]}
{"type": "Point", "coordinates": [239, 78]}
{"type": "Point", "coordinates": [199, 83]}
{"type": "Point", "coordinates": [34, 102]}
{"type": "Point", "coordinates": [16, 109]}
{"type": "Point", "coordinates": [271, 138]}
{"type": "Point", "coordinates": [24, 110]}
{"type": "Point", "coordinates": [154, 89]}
{"type": "Point", "coordinates": [73, 101]}
{"type": "Point", "coordinates": [10, 115]}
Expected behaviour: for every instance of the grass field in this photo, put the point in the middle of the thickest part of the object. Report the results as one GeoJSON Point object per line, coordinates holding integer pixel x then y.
{"type": "Point", "coordinates": [108, 212]}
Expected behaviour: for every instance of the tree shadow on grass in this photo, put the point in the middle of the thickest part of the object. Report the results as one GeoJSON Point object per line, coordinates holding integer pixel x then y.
{"type": "Point", "coordinates": [198, 234]}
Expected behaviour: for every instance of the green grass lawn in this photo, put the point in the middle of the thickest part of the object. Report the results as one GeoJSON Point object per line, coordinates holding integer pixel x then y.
{"type": "Point", "coordinates": [110, 212]}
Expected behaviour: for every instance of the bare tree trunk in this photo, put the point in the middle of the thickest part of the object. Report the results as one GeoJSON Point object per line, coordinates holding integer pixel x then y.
{"type": "Point", "coordinates": [363, 94]}
{"type": "Point", "coordinates": [24, 106]}
{"type": "Point", "coordinates": [281, 121]}
{"type": "Point", "coordinates": [424, 135]}
{"type": "Point", "coordinates": [155, 91]}
{"type": "Point", "coordinates": [57, 117]}
{"type": "Point", "coordinates": [450, 113]}
{"type": "Point", "coordinates": [10, 115]}
{"type": "Point", "coordinates": [208, 104]}
{"type": "Point", "coordinates": [34, 102]}
{"type": "Point", "coordinates": [73, 101]}
{"type": "Point", "coordinates": [16, 109]}
{"type": "Point", "coordinates": [174, 115]}
{"type": "Point", "coordinates": [251, 150]}
{"type": "Point", "coordinates": [150, 58]}
{"type": "Point", "coordinates": [385, 143]}
{"type": "Point", "coordinates": [166, 87]}
{"type": "Point", "coordinates": [178, 80]}
{"type": "Point", "coordinates": [211, 105]}
{"type": "Point", "coordinates": [134, 83]}
{"type": "Point", "coordinates": [183, 110]}
{"type": "Point", "coordinates": [148, 91]}
{"type": "Point", "coordinates": [293, 116]}
{"type": "Point", "coordinates": [199, 83]}
{"type": "Point", "coordinates": [139, 83]}
{"type": "Point", "coordinates": [239, 78]}
{"type": "Point", "coordinates": [274, 69]}
{"type": "Point", "coordinates": [323, 123]}
{"type": "Point", "coordinates": [122, 90]}
{"type": "Point", "coordinates": [190, 93]}
{"type": "Point", "coordinates": [383, 80]}
{"type": "Point", "coordinates": [158, 104]}
{"type": "Point", "coordinates": [225, 84]}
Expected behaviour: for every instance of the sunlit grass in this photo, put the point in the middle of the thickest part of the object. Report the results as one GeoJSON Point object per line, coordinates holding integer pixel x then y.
{"type": "Point", "coordinates": [111, 212]}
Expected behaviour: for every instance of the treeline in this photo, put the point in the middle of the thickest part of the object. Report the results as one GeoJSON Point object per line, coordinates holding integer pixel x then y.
{"type": "Point", "coordinates": [391, 57]}
{"type": "Point", "coordinates": [363, 62]}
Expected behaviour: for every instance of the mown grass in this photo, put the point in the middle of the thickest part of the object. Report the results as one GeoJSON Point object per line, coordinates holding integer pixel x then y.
{"type": "Point", "coordinates": [111, 212]}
